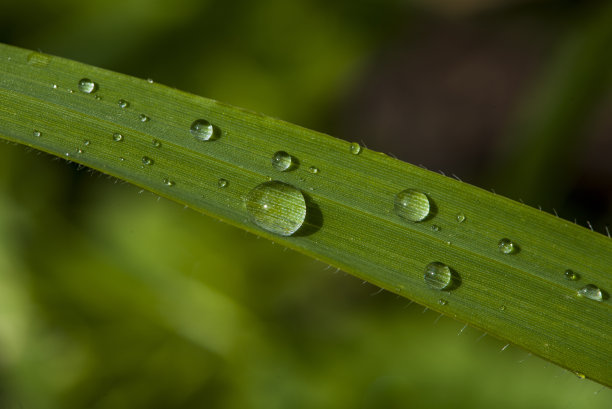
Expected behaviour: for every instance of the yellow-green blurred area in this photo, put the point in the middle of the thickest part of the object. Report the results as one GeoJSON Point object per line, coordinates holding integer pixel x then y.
{"type": "Point", "coordinates": [113, 298]}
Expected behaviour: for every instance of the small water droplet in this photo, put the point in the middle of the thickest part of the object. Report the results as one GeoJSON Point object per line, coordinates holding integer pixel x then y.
{"type": "Point", "coordinates": [54, 86]}
{"type": "Point", "coordinates": [282, 161]}
{"type": "Point", "coordinates": [507, 246]}
{"type": "Point", "coordinates": [580, 375]}
{"type": "Point", "coordinates": [442, 301]}
{"type": "Point", "coordinates": [168, 182]}
{"type": "Point", "coordinates": [147, 161]}
{"type": "Point", "coordinates": [202, 130]}
{"type": "Point", "coordinates": [150, 80]}
{"type": "Point", "coordinates": [121, 159]}
{"type": "Point", "coordinates": [123, 103]}
{"type": "Point", "coordinates": [156, 143]}
{"type": "Point", "coordinates": [571, 275]}
{"type": "Point", "coordinates": [355, 148]}
{"type": "Point", "coordinates": [79, 151]}
{"type": "Point", "coordinates": [502, 308]}
{"type": "Point", "coordinates": [313, 170]}
{"type": "Point", "coordinates": [144, 118]}
{"type": "Point", "coordinates": [460, 217]}
{"type": "Point", "coordinates": [37, 134]}
{"type": "Point", "coordinates": [438, 276]}
{"type": "Point", "coordinates": [70, 91]}
{"type": "Point", "coordinates": [86, 142]}
{"type": "Point", "coordinates": [98, 98]}
{"type": "Point", "coordinates": [412, 205]}
{"type": "Point", "coordinates": [435, 227]}
{"type": "Point", "coordinates": [222, 183]}
{"type": "Point", "coordinates": [592, 292]}
{"type": "Point", "coordinates": [87, 86]}
{"type": "Point", "coordinates": [117, 137]}
{"type": "Point", "coordinates": [276, 207]}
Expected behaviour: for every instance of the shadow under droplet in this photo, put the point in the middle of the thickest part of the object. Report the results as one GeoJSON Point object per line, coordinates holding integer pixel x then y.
{"type": "Point", "coordinates": [455, 281]}
{"type": "Point", "coordinates": [314, 218]}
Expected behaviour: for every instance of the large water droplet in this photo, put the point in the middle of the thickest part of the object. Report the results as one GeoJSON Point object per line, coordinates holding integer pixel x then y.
{"type": "Point", "coordinates": [276, 207]}
{"type": "Point", "coordinates": [355, 148]}
{"type": "Point", "coordinates": [507, 246]}
{"type": "Point", "coordinates": [202, 130]}
{"type": "Point", "coordinates": [571, 275]}
{"type": "Point", "coordinates": [438, 276]}
{"type": "Point", "coordinates": [282, 161]}
{"type": "Point", "coordinates": [412, 205]}
{"type": "Point", "coordinates": [591, 292]}
{"type": "Point", "coordinates": [87, 86]}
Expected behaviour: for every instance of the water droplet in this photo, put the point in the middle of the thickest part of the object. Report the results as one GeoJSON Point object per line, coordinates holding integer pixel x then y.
{"type": "Point", "coordinates": [156, 143]}
{"type": "Point", "coordinates": [147, 161]}
{"type": "Point", "coordinates": [37, 134]}
{"type": "Point", "coordinates": [98, 98]}
{"type": "Point", "coordinates": [87, 86]}
{"type": "Point", "coordinates": [313, 170]}
{"type": "Point", "coordinates": [442, 301]}
{"type": "Point", "coordinates": [502, 308]}
{"type": "Point", "coordinates": [38, 59]}
{"type": "Point", "coordinates": [507, 246]}
{"type": "Point", "coordinates": [54, 86]}
{"type": "Point", "coordinates": [282, 161]}
{"type": "Point", "coordinates": [276, 207]}
{"type": "Point", "coordinates": [117, 137]}
{"type": "Point", "coordinates": [168, 182]}
{"type": "Point", "coordinates": [571, 275]}
{"type": "Point", "coordinates": [460, 217]}
{"type": "Point", "coordinates": [412, 205]}
{"type": "Point", "coordinates": [202, 130]}
{"type": "Point", "coordinates": [86, 142]}
{"type": "Point", "coordinates": [355, 148]}
{"type": "Point", "coordinates": [592, 292]}
{"type": "Point", "coordinates": [123, 103]}
{"type": "Point", "coordinates": [580, 375]}
{"type": "Point", "coordinates": [222, 183]}
{"type": "Point", "coordinates": [144, 118]}
{"type": "Point", "coordinates": [438, 276]}
{"type": "Point", "coordinates": [435, 227]}
{"type": "Point", "coordinates": [70, 91]}
{"type": "Point", "coordinates": [79, 151]}
{"type": "Point", "coordinates": [121, 159]}
{"type": "Point", "coordinates": [150, 80]}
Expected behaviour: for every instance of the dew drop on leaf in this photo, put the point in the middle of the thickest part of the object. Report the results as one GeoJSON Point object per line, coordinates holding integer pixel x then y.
{"type": "Point", "coordinates": [507, 246]}
{"type": "Point", "coordinates": [222, 183]}
{"type": "Point", "coordinates": [168, 182]}
{"type": "Point", "coordinates": [37, 134]}
{"type": "Point", "coordinates": [592, 292]}
{"type": "Point", "coordinates": [442, 301]}
{"type": "Point", "coordinates": [117, 137]}
{"type": "Point", "coordinates": [144, 118]}
{"type": "Point", "coordinates": [282, 161]}
{"type": "Point", "coordinates": [355, 148]}
{"type": "Point", "coordinates": [571, 275]}
{"type": "Point", "coordinates": [313, 170]}
{"type": "Point", "coordinates": [412, 205]}
{"type": "Point", "coordinates": [147, 161]}
{"type": "Point", "coordinates": [87, 86]}
{"type": "Point", "coordinates": [460, 217]}
{"type": "Point", "coordinates": [123, 103]}
{"type": "Point", "coordinates": [202, 130]}
{"type": "Point", "coordinates": [276, 207]}
{"type": "Point", "coordinates": [438, 276]}
{"type": "Point", "coordinates": [156, 143]}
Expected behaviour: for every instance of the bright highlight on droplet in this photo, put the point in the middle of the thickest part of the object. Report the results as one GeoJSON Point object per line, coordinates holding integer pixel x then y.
{"type": "Point", "coordinates": [276, 207]}
{"type": "Point", "coordinates": [412, 205]}
{"type": "Point", "coordinates": [222, 183]}
{"type": "Point", "coordinates": [117, 137]}
{"type": "Point", "coordinates": [592, 292]}
{"type": "Point", "coordinates": [571, 275]}
{"type": "Point", "coordinates": [507, 246]}
{"type": "Point", "coordinates": [438, 276]}
{"type": "Point", "coordinates": [37, 133]}
{"type": "Point", "coordinates": [123, 103]}
{"type": "Point", "coordinates": [282, 161]}
{"type": "Point", "coordinates": [202, 130]}
{"type": "Point", "coordinates": [147, 161]}
{"type": "Point", "coordinates": [87, 86]}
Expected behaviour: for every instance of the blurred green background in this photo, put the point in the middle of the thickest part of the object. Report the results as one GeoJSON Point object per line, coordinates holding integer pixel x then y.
{"type": "Point", "coordinates": [113, 298]}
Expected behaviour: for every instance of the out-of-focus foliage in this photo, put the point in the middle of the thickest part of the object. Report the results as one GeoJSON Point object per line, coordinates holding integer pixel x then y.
{"type": "Point", "coordinates": [114, 299]}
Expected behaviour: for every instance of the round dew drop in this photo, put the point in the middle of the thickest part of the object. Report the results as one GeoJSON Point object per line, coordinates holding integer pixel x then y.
{"type": "Point", "coordinates": [282, 161]}
{"type": "Point", "coordinates": [571, 275]}
{"type": "Point", "coordinates": [87, 86]}
{"type": "Point", "coordinates": [144, 118]}
{"type": "Point", "coordinates": [313, 170]}
{"type": "Point", "coordinates": [202, 130]}
{"type": "Point", "coordinates": [117, 137]}
{"type": "Point", "coordinates": [460, 218]}
{"type": "Point", "coordinates": [156, 143]}
{"type": "Point", "coordinates": [592, 292]}
{"type": "Point", "coordinates": [438, 276]}
{"type": "Point", "coordinates": [222, 183]}
{"type": "Point", "coordinates": [147, 161]}
{"type": "Point", "coordinates": [37, 134]}
{"type": "Point", "coordinates": [442, 301]}
{"type": "Point", "coordinates": [412, 205]}
{"type": "Point", "coordinates": [123, 103]}
{"type": "Point", "coordinates": [507, 246]}
{"type": "Point", "coordinates": [276, 207]}
{"type": "Point", "coordinates": [168, 182]}
{"type": "Point", "coordinates": [355, 148]}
